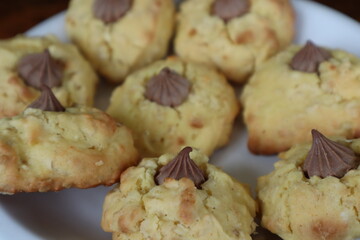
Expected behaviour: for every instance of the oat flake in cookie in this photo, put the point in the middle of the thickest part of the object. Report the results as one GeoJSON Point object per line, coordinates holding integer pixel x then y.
{"type": "Point", "coordinates": [139, 208]}
{"type": "Point", "coordinates": [297, 206]}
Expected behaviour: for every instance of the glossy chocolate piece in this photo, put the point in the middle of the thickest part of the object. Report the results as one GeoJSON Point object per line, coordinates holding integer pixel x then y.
{"type": "Point", "coordinates": [40, 68]}
{"type": "Point", "coordinates": [309, 58]}
{"type": "Point", "coordinates": [168, 88]}
{"type": "Point", "coordinates": [182, 166]}
{"type": "Point", "coordinates": [109, 11]}
{"type": "Point", "coordinates": [47, 101]}
{"type": "Point", "coordinates": [328, 158]}
{"type": "Point", "coordinates": [229, 9]}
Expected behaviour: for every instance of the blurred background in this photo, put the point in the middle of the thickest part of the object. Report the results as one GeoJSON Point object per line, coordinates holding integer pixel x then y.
{"type": "Point", "coordinates": [17, 16]}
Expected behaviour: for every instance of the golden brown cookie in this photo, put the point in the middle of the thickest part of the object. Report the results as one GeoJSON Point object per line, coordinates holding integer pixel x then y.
{"type": "Point", "coordinates": [170, 103]}
{"type": "Point", "coordinates": [234, 36]}
{"type": "Point", "coordinates": [139, 208]}
{"type": "Point", "coordinates": [120, 36]}
{"type": "Point", "coordinates": [282, 104]}
{"type": "Point", "coordinates": [49, 151]}
{"type": "Point", "coordinates": [28, 61]}
{"type": "Point", "coordinates": [297, 206]}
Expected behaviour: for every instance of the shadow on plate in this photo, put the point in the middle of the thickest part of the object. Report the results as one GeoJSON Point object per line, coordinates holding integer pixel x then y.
{"type": "Point", "coordinates": [69, 214]}
{"type": "Point", "coordinates": [262, 233]}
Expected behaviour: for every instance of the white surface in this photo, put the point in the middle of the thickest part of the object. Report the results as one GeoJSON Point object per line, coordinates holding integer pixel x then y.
{"type": "Point", "coordinates": [75, 214]}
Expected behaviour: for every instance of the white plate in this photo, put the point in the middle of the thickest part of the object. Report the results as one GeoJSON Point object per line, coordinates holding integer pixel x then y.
{"type": "Point", "coordinates": [75, 214]}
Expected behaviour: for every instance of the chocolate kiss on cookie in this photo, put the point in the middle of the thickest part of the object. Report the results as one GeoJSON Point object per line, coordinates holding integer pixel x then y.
{"type": "Point", "coordinates": [182, 166]}
{"type": "Point", "coordinates": [229, 9]}
{"type": "Point", "coordinates": [40, 68]}
{"type": "Point", "coordinates": [328, 158]}
{"type": "Point", "coordinates": [47, 101]}
{"type": "Point", "coordinates": [168, 88]}
{"type": "Point", "coordinates": [309, 58]}
{"type": "Point", "coordinates": [110, 11]}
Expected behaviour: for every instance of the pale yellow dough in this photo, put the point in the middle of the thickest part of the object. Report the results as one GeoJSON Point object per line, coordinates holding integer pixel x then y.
{"type": "Point", "coordinates": [140, 37]}
{"type": "Point", "coordinates": [297, 208]}
{"type": "Point", "coordinates": [204, 120]}
{"type": "Point", "coordinates": [48, 151]}
{"type": "Point", "coordinates": [281, 105]}
{"type": "Point", "coordinates": [239, 46]}
{"type": "Point", "coordinates": [139, 209]}
{"type": "Point", "coordinates": [78, 82]}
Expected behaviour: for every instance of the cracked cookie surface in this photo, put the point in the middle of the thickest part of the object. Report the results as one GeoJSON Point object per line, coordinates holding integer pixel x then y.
{"type": "Point", "coordinates": [297, 208]}
{"type": "Point", "coordinates": [78, 81]}
{"type": "Point", "coordinates": [282, 105]}
{"type": "Point", "coordinates": [139, 209]}
{"type": "Point", "coordinates": [138, 38]}
{"type": "Point", "coordinates": [238, 46]}
{"type": "Point", "coordinates": [49, 151]}
{"type": "Point", "coordinates": [204, 120]}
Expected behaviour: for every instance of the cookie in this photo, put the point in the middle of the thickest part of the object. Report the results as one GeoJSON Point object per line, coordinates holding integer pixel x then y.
{"type": "Point", "coordinates": [302, 88]}
{"type": "Point", "coordinates": [199, 202]}
{"type": "Point", "coordinates": [122, 35]}
{"type": "Point", "coordinates": [234, 36]}
{"type": "Point", "coordinates": [313, 192]}
{"type": "Point", "coordinates": [49, 148]}
{"type": "Point", "coordinates": [170, 104]}
{"type": "Point", "coordinates": [29, 62]}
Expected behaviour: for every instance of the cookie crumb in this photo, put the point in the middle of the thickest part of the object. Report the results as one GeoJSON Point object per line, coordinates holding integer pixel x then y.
{"type": "Point", "coordinates": [99, 163]}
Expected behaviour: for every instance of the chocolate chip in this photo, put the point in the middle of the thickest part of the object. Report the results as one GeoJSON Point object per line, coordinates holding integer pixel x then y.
{"type": "Point", "coordinates": [182, 166]}
{"type": "Point", "coordinates": [328, 158]}
{"type": "Point", "coordinates": [309, 58]}
{"type": "Point", "coordinates": [110, 11]}
{"type": "Point", "coordinates": [47, 101]}
{"type": "Point", "coordinates": [40, 68]}
{"type": "Point", "coordinates": [229, 9]}
{"type": "Point", "coordinates": [168, 88]}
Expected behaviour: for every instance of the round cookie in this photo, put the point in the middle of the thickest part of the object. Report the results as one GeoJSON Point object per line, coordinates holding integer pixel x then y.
{"type": "Point", "coordinates": [57, 148]}
{"type": "Point", "coordinates": [254, 31]}
{"type": "Point", "coordinates": [297, 205]}
{"type": "Point", "coordinates": [282, 104]}
{"type": "Point", "coordinates": [76, 79]}
{"type": "Point", "coordinates": [122, 35]}
{"type": "Point", "coordinates": [139, 208]}
{"type": "Point", "coordinates": [198, 108]}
